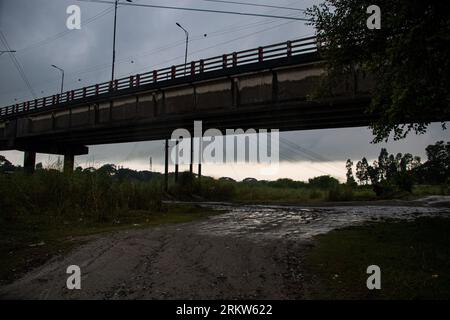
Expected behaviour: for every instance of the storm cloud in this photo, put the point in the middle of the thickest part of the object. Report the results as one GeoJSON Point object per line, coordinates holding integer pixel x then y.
{"type": "Point", "coordinates": [148, 39]}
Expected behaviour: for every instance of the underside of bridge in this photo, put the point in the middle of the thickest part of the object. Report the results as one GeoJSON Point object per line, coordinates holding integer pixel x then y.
{"type": "Point", "coordinates": [277, 94]}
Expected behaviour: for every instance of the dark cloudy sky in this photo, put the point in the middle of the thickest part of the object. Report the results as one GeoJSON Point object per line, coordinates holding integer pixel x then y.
{"type": "Point", "coordinates": [148, 39]}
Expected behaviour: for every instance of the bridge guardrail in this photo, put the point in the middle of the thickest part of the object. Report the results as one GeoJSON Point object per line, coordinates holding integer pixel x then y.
{"type": "Point", "coordinates": [230, 60]}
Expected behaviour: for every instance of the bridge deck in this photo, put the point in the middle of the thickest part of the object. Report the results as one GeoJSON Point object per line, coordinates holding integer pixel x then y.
{"type": "Point", "coordinates": [236, 62]}
{"type": "Point", "coordinates": [267, 87]}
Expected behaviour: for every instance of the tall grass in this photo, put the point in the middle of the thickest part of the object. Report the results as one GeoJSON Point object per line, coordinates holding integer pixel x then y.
{"type": "Point", "coordinates": [81, 195]}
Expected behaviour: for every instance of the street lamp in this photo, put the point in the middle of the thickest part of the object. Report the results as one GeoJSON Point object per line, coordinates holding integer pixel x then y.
{"type": "Point", "coordinates": [187, 44]}
{"type": "Point", "coordinates": [62, 81]}
{"type": "Point", "coordinates": [114, 38]}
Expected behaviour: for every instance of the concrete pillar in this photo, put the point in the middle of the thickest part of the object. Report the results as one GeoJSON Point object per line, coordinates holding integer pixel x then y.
{"type": "Point", "coordinates": [29, 161]}
{"type": "Point", "coordinates": [191, 166]}
{"type": "Point", "coordinates": [69, 160]}
{"type": "Point", "coordinates": [166, 169]}
{"type": "Point", "coordinates": [200, 158]}
{"type": "Point", "coordinates": [177, 166]}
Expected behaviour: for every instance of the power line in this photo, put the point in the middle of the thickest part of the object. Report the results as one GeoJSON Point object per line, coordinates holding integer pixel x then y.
{"type": "Point", "coordinates": [214, 46]}
{"type": "Point", "coordinates": [296, 149]}
{"type": "Point", "coordinates": [200, 10]}
{"type": "Point", "coordinates": [291, 159]}
{"type": "Point", "coordinates": [17, 64]}
{"type": "Point", "coordinates": [315, 155]}
{"type": "Point", "coordinates": [216, 33]}
{"type": "Point", "coordinates": [65, 32]}
{"type": "Point", "coordinates": [157, 50]}
{"type": "Point", "coordinates": [172, 45]}
{"type": "Point", "coordinates": [255, 5]}
{"type": "Point", "coordinates": [194, 52]}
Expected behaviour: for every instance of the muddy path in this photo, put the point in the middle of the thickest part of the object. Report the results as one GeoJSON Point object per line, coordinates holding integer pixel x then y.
{"type": "Point", "coordinates": [171, 262]}
{"type": "Point", "coordinates": [250, 252]}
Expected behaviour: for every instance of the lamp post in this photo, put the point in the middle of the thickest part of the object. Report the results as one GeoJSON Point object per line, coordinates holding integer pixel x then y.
{"type": "Point", "coordinates": [62, 80]}
{"type": "Point", "coordinates": [187, 44]}
{"type": "Point", "coordinates": [185, 69]}
{"type": "Point", "coordinates": [116, 2]}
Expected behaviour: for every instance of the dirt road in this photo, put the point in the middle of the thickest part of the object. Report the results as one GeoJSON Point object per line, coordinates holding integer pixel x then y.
{"type": "Point", "coordinates": [165, 263]}
{"type": "Point", "coordinates": [251, 252]}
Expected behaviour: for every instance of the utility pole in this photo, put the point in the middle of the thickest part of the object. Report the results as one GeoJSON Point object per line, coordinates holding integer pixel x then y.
{"type": "Point", "coordinates": [166, 166]}
{"type": "Point", "coordinates": [116, 2]}
{"type": "Point", "coordinates": [176, 162]}
{"type": "Point", "coordinates": [185, 73]}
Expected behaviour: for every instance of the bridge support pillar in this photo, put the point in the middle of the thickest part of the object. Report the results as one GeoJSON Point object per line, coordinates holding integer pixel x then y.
{"type": "Point", "coordinates": [69, 160]}
{"type": "Point", "coordinates": [177, 166]}
{"type": "Point", "coordinates": [29, 161]}
{"type": "Point", "coordinates": [191, 166]}
{"type": "Point", "coordinates": [166, 166]}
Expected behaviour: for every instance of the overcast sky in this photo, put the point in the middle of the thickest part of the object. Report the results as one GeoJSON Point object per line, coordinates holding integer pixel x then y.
{"type": "Point", "coordinates": [148, 39]}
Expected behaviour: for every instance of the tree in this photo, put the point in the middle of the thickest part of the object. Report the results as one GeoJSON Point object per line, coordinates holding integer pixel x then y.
{"type": "Point", "coordinates": [350, 179]}
{"type": "Point", "coordinates": [406, 162]}
{"type": "Point", "coordinates": [373, 173]}
{"type": "Point", "coordinates": [392, 167]}
{"type": "Point", "coordinates": [108, 169]}
{"type": "Point", "coordinates": [408, 58]}
{"type": "Point", "coordinates": [383, 164]}
{"type": "Point", "coordinates": [437, 167]}
{"type": "Point", "coordinates": [324, 182]}
{"type": "Point", "coordinates": [5, 165]}
{"type": "Point", "coordinates": [362, 171]}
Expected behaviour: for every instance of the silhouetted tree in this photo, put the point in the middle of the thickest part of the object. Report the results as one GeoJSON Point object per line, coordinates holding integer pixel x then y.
{"type": "Point", "coordinates": [350, 179]}
{"type": "Point", "coordinates": [408, 57]}
{"type": "Point", "coordinates": [324, 182]}
{"type": "Point", "coordinates": [383, 164]}
{"type": "Point", "coordinates": [6, 165]}
{"type": "Point", "coordinates": [362, 171]}
{"type": "Point", "coordinates": [109, 169]}
{"type": "Point", "coordinates": [436, 169]}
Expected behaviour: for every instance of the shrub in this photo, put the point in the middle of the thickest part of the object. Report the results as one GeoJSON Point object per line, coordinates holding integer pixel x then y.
{"type": "Point", "coordinates": [341, 193]}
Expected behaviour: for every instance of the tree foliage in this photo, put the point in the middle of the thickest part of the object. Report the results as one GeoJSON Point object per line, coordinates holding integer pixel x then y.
{"type": "Point", "coordinates": [350, 178]}
{"type": "Point", "coordinates": [324, 182]}
{"type": "Point", "coordinates": [437, 169]}
{"type": "Point", "coordinates": [5, 164]}
{"type": "Point", "coordinates": [408, 57]}
{"type": "Point", "coordinates": [403, 170]}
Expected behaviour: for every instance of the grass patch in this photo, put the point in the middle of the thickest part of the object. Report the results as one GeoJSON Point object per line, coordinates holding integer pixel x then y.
{"type": "Point", "coordinates": [414, 258]}
{"type": "Point", "coordinates": [30, 241]}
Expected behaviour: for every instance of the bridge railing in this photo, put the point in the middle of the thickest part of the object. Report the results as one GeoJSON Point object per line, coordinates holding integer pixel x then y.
{"type": "Point", "coordinates": [231, 60]}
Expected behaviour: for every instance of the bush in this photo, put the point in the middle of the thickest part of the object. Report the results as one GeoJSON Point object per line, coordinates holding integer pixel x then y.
{"type": "Point", "coordinates": [81, 195]}
{"type": "Point", "coordinates": [383, 189]}
{"type": "Point", "coordinates": [324, 182]}
{"type": "Point", "coordinates": [341, 193]}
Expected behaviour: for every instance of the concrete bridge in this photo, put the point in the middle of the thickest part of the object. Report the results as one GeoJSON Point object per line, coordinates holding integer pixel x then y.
{"type": "Point", "coordinates": [266, 87]}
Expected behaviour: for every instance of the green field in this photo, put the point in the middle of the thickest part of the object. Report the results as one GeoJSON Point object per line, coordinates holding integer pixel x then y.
{"type": "Point", "coordinates": [414, 258]}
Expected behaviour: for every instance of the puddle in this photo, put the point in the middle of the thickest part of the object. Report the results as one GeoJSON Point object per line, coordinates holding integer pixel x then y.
{"type": "Point", "coordinates": [259, 222]}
